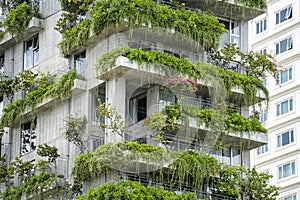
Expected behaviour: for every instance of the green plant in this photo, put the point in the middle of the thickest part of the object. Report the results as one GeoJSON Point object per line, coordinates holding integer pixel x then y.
{"type": "Point", "coordinates": [74, 129]}
{"type": "Point", "coordinates": [44, 150]}
{"type": "Point", "coordinates": [165, 63]}
{"type": "Point", "coordinates": [256, 186]}
{"type": "Point", "coordinates": [203, 28]}
{"type": "Point", "coordinates": [45, 88]}
{"type": "Point", "coordinates": [133, 190]}
{"type": "Point", "coordinates": [115, 122]}
{"type": "Point", "coordinates": [37, 179]}
{"type": "Point", "coordinates": [18, 19]}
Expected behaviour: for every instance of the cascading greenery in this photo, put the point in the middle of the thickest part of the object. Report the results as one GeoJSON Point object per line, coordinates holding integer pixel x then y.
{"type": "Point", "coordinates": [46, 88]}
{"type": "Point", "coordinates": [164, 63]}
{"type": "Point", "coordinates": [232, 121]}
{"type": "Point", "coordinates": [131, 190]}
{"type": "Point", "coordinates": [182, 168]}
{"type": "Point", "coordinates": [203, 28]}
{"type": "Point", "coordinates": [18, 19]}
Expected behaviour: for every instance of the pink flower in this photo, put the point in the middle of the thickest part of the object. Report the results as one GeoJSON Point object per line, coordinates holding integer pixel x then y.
{"type": "Point", "coordinates": [173, 82]}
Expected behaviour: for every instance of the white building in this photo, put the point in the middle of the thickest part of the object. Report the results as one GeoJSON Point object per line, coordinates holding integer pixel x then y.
{"type": "Point", "coordinates": [278, 32]}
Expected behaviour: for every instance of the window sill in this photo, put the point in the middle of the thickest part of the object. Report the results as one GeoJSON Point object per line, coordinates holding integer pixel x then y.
{"type": "Point", "coordinates": [262, 155]}
{"type": "Point", "coordinates": [286, 146]}
{"type": "Point", "coordinates": [285, 114]}
{"type": "Point", "coordinates": [284, 84]}
{"type": "Point", "coordinates": [283, 23]}
{"type": "Point", "coordinates": [287, 178]}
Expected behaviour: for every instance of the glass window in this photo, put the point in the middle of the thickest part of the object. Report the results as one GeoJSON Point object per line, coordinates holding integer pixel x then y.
{"type": "Point", "coordinates": [263, 116]}
{"type": "Point", "coordinates": [2, 64]}
{"type": "Point", "coordinates": [291, 197]}
{"type": "Point", "coordinates": [31, 53]}
{"type": "Point", "coordinates": [262, 149]}
{"type": "Point", "coordinates": [285, 138]}
{"type": "Point", "coordinates": [284, 14]}
{"type": "Point", "coordinates": [138, 107]}
{"type": "Point", "coordinates": [284, 45]}
{"type": "Point", "coordinates": [262, 51]}
{"type": "Point", "coordinates": [284, 107]}
{"type": "Point", "coordinates": [267, 172]}
{"type": "Point", "coordinates": [235, 32]}
{"type": "Point", "coordinates": [80, 64]}
{"type": "Point", "coordinates": [1, 105]}
{"type": "Point", "coordinates": [28, 137]}
{"type": "Point", "coordinates": [285, 76]}
{"type": "Point", "coordinates": [261, 26]}
{"type": "Point", "coordinates": [286, 170]}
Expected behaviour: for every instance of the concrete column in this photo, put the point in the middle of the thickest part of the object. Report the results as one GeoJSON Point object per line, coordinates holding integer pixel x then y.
{"type": "Point", "coordinates": [116, 95]}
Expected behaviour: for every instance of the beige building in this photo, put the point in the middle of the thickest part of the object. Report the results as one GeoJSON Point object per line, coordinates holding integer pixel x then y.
{"type": "Point", "coordinates": [136, 92]}
{"type": "Point", "coordinates": [277, 32]}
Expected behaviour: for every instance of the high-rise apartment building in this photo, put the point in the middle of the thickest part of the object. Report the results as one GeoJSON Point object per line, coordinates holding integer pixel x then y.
{"type": "Point", "coordinates": [277, 32]}
{"type": "Point", "coordinates": [166, 36]}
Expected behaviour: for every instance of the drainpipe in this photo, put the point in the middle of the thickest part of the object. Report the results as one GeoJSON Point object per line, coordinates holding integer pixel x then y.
{"type": "Point", "coordinates": [12, 64]}
{"type": "Point", "coordinates": [67, 142]}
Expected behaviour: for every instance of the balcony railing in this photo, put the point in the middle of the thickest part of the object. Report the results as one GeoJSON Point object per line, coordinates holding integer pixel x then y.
{"type": "Point", "coordinates": [183, 188]}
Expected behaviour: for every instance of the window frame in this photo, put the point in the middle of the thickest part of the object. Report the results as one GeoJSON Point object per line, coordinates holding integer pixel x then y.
{"type": "Point", "coordinates": [280, 168]}
{"type": "Point", "coordinates": [286, 18]}
{"type": "Point", "coordinates": [291, 138]}
{"type": "Point", "coordinates": [1, 104]}
{"type": "Point", "coordinates": [80, 63]}
{"type": "Point", "coordinates": [263, 116]}
{"type": "Point", "coordinates": [261, 26]}
{"type": "Point", "coordinates": [262, 150]}
{"type": "Point", "coordinates": [290, 76]}
{"type": "Point", "coordinates": [31, 52]}
{"type": "Point", "coordinates": [292, 196]}
{"type": "Point", "coordinates": [32, 137]}
{"type": "Point", "coordinates": [289, 45]}
{"type": "Point", "coordinates": [290, 106]}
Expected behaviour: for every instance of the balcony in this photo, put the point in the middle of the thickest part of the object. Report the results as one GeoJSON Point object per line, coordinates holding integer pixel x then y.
{"type": "Point", "coordinates": [34, 26]}
{"type": "Point", "coordinates": [227, 9]}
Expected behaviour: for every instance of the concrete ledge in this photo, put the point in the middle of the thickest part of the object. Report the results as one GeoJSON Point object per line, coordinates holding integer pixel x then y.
{"type": "Point", "coordinates": [34, 26]}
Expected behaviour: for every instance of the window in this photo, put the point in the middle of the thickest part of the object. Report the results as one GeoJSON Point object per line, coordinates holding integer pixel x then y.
{"type": "Point", "coordinates": [1, 105]}
{"type": "Point", "coordinates": [262, 149]}
{"type": "Point", "coordinates": [138, 107]}
{"type": "Point", "coordinates": [99, 97]}
{"type": "Point", "coordinates": [2, 64]}
{"type": "Point", "coordinates": [286, 170]}
{"type": "Point", "coordinates": [267, 172]}
{"type": "Point", "coordinates": [284, 14]}
{"type": "Point", "coordinates": [284, 45]}
{"type": "Point", "coordinates": [80, 64]}
{"type": "Point", "coordinates": [261, 26]}
{"type": "Point", "coordinates": [285, 138]}
{"type": "Point", "coordinates": [284, 107]}
{"type": "Point", "coordinates": [31, 53]}
{"type": "Point", "coordinates": [262, 51]}
{"type": "Point", "coordinates": [235, 32]}
{"type": "Point", "coordinates": [28, 137]}
{"type": "Point", "coordinates": [265, 83]}
{"type": "Point", "coordinates": [285, 76]}
{"type": "Point", "coordinates": [263, 116]}
{"type": "Point", "coordinates": [291, 197]}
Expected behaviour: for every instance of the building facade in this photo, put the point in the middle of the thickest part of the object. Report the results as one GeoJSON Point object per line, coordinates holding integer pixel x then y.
{"type": "Point", "coordinates": [135, 91]}
{"type": "Point", "coordinates": [277, 32]}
